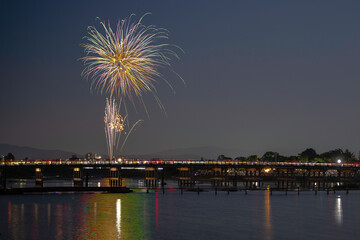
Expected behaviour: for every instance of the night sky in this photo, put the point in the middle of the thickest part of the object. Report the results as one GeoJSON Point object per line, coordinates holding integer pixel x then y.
{"type": "Point", "coordinates": [261, 75]}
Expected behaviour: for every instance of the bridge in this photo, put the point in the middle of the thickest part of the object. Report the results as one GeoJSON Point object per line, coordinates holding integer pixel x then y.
{"type": "Point", "coordinates": [282, 175]}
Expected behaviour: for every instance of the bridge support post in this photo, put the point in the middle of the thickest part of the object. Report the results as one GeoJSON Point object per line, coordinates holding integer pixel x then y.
{"type": "Point", "coordinates": [277, 178]}
{"type": "Point", "coordinates": [115, 179]}
{"type": "Point", "coordinates": [163, 178]}
{"type": "Point", "coordinates": [308, 176]}
{"type": "Point", "coordinates": [185, 176]}
{"type": "Point", "coordinates": [219, 177]}
{"type": "Point", "coordinates": [78, 177]}
{"type": "Point", "coordinates": [87, 179]}
{"type": "Point", "coordinates": [303, 182]}
{"type": "Point", "coordinates": [39, 180]}
{"type": "Point", "coordinates": [3, 177]}
{"type": "Point", "coordinates": [235, 180]}
{"type": "Point", "coordinates": [151, 177]}
{"type": "Point", "coordinates": [251, 176]}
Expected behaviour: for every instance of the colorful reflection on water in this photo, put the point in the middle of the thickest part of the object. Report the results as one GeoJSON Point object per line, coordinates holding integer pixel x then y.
{"type": "Point", "coordinates": [257, 215]}
{"type": "Point", "coordinates": [111, 216]}
{"type": "Point", "coordinates": [83, 216]}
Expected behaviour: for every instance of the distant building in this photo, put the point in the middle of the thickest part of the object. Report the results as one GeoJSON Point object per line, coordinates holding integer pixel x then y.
{"type": "Point", "coordinates": [91, 156]}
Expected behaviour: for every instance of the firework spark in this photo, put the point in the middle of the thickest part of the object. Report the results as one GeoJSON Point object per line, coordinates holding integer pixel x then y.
{"type": "Point", "coordinates": [125, 63]}
{"type": "Point", "coordinates": [115, 127]}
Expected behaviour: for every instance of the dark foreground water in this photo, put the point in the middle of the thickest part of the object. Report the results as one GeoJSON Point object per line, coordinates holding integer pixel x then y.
{"type": "Point", "coordinates": [257, 215]}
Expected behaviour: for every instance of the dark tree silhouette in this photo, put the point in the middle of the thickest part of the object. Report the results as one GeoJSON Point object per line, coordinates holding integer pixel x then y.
{"type": "Point", "coordinates": [270, 157]}
{"type": "Point", "coordinates": [349, 156]}
{"type": "Point", "coordinates": [10, 156]}
{"type": "Point", "coordinates": [333, 155]}
{"type": "Point", "coordinates": [309, 154]}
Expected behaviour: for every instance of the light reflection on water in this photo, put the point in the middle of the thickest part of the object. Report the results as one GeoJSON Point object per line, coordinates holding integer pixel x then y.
{"type": "Point", "coordinates": [338, 211]}
{"type": "Point", "coordinates": [268, 233]}
{"type": "Point", "coordinates": [257, 215]}
{"type": "Point", "coordinates": [118, 217]}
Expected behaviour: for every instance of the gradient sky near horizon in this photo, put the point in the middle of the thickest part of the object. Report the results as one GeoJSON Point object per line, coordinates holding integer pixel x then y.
{"type": "Point", "coordinates": [261, 75]}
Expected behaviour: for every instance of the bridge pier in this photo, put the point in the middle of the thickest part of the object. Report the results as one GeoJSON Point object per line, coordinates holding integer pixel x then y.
{"type": "Point", "coordinates": [78, 177]}
{"type": "Point", "coordinates": [39, 180]}
{"type": "Point", "coordinates": [347, 176]}
{"type": "Point", "coordinates": [220, 177]}
{"type": "Point", "coordinates": [285, 178]}
{"type": "Point", "coordinates": [246, 178]}
{"type": "Point", "coordinates": [115, 179]}
{"type": "Point", "coordinates": [3, 177]}
{"type": "Point", "coordinates": [235, 180]}
{"type": "Point", "coordinates": [252, 177]}
{"type": "Point", "coordinates": [186, 177]}
{"type": "Point", "coordinates": [248, 173]}
{"type": "Point", "coordinates": [304, 177]}
{"type": "Point", "coordinates": [151, 177]}
{"type": "Point", "coordinates": [162, 181]}
{"type": "Point", "coordinates": [315, 178]}
{"type": "Point", "coordinates": [324, 179]}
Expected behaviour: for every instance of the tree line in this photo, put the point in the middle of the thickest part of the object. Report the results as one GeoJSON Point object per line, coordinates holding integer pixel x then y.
{"type": "Point", "coordinates": [8, 157]}
{"type": "Point", "coordinates": [308, 155]}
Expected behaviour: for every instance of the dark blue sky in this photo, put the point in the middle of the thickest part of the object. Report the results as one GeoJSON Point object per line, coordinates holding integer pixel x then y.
{"type": "Point", "coordinates": [261, 75]}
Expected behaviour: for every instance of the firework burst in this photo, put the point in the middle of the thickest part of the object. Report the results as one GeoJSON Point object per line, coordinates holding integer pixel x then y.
{"type": "Point", "coordinates": [125, 63]}
{"type": "Point", "coordinates": [115, 127]}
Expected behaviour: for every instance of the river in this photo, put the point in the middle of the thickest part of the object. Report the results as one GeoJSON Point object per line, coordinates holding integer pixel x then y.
{"type": "Point", "coordinates": [172, 215]}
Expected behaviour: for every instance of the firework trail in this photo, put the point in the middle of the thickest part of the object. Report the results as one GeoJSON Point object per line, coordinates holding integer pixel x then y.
{"type": "Point", "coordinates": [125, 63]}
{"type": "Point", "coordinates": [115, 127]}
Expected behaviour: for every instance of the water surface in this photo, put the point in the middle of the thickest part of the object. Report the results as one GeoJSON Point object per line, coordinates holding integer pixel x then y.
{"type": "Point", "coordinates": [257, 215]}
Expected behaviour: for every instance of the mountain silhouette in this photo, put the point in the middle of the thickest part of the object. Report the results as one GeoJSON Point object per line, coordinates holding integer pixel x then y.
{"type": "Point", "coordinates": [21, 152]}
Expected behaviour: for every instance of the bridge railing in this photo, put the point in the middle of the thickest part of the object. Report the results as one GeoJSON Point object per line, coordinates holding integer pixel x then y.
{"type": "Point", "coordinates": [172, 162]}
